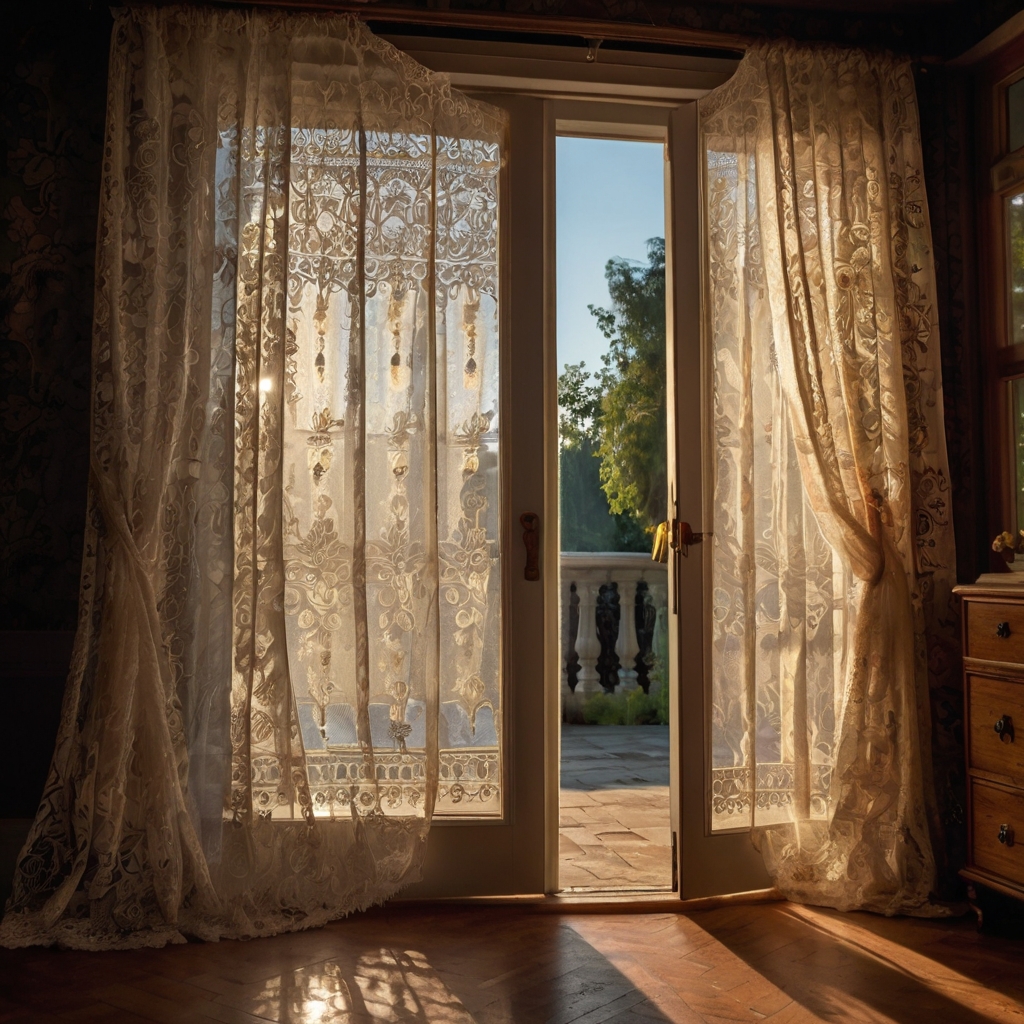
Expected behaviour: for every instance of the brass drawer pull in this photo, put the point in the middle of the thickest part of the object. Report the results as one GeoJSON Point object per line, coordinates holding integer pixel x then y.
{"type": "Point", "coordinates": [1004, 728]}
{"type": "Point", "coordinates": [1002, 629]}
{"type": "Point", "coordinates": [1005, 835]}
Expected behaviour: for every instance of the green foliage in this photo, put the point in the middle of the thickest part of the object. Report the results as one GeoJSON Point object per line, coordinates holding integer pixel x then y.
{"type": "Point", "coordinates": [636, 708]}
{"type": "Point", "coordinates": [612, 425]}
{"type": "Point", "coordinates": [579, 405]}
{"type": "Point", "coordinates": [613, 470]}
{"type": "Point", "coordinates": [588, 524]}
{"type": "Point", "coordinates": [631, 427]}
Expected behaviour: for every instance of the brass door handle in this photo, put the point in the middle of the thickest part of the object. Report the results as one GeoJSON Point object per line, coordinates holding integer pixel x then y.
{"type": "Point", "coordinates": [678, 536]}
{"type": "Point", "coordinates": [662, 543]}
{"type": "Point", "coordinates": [1004, 728]}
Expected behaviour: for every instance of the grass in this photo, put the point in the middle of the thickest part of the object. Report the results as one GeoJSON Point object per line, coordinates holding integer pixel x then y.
{"type": "Point", "coordinates": [636, 708]}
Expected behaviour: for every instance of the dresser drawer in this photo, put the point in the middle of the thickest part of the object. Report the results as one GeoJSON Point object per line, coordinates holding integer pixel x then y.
{"type": "Point", "coordinates": [986, 621]}
{"type": "Point", "coordinates": [991, 809]}
{"type": "Point", "coordinates": [992, 701]}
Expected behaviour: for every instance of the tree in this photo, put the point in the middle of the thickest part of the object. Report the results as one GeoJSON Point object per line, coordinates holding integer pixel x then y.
{"type": "Point", "coordinates": [588, 524]}
{"type": "Point", "coordinates": [631, 426]}
{"type": "Point", "coordinates": [612, 425]}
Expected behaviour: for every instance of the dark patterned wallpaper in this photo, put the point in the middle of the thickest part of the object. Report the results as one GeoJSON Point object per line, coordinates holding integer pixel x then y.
{"type": "Point", "coordinates": [52, 91]}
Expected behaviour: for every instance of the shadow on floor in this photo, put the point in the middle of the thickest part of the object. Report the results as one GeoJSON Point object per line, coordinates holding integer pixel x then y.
{"type": "Point", "coordinates": [433, 965]}
{"type": "Point", "coordinates": [860, 966]}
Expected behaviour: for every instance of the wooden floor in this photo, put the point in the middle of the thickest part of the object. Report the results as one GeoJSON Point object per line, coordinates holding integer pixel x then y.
{"type": "Point", "coordinates": [775, 962]}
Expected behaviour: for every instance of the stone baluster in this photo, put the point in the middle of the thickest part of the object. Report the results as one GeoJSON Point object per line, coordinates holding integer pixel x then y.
{"type": "Point", "coordinates": [568, 640]}
{"type": "Point", "coordinates": [588, 645]}
{"type": "Point", "coordinates": [627, 647]}
{"type": "Point", "coordinates": [659, 647]}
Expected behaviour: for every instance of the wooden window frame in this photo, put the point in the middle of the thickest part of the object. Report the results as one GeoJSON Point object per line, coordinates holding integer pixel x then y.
{"type": "Point", "coordinates": [1000, 174]}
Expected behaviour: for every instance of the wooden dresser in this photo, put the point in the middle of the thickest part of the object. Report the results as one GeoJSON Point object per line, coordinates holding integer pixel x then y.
{"type": "Point", "coordinates": [993, 638]}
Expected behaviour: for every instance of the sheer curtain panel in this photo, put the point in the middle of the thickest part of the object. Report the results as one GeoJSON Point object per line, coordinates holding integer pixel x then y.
{"type": "Point", "coordinates": [832, 558]}
{"type": "Point", "coordinates": [290, 586]}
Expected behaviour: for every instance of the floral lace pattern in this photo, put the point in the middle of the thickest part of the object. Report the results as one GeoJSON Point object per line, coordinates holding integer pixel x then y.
{"type": "Point", "coordinates": [289, 641]}
{"type": "Point", "coordinates": [833, 554]}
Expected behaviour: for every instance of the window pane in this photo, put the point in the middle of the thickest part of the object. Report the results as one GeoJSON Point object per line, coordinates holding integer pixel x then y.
{"type": "Point", "coordinates": [1015, 231]}
{"type": "Point", "coordinates": [391, 406]}
{"type": "Point", "coordinates": [1015, 114]}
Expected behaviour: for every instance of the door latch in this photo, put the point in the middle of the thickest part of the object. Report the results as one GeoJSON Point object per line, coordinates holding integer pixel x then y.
{"type": "Point", "coordinates": [678, 536]}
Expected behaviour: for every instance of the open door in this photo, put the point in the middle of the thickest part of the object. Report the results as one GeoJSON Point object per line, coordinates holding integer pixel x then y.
{"type": "Point", "coordinates": [473, 849]}
{"type": "Point", "coordinates": [708, 862]}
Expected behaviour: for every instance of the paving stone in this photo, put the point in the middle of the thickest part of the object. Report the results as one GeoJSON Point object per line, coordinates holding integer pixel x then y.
{"type": "Point", "coordinates": [614, 819]}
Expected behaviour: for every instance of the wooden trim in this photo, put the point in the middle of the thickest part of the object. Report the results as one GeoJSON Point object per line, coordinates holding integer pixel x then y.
{"type": "Point", "coordinates": [611, 903]}
{"type": "Point", "coordinates": [989, 593]}
{"type": "Point", "coordinates": [992, 44]}
{"type": "Point", "coordinates": [1006, 670]}
{"type": "Point", "coordinates": [1008, 782]}
{"type": "Point", "coordinates": [972, 874]}
{"type": "Point", "coordinates": [1010, 361]}
{"type": "Point", "coordinates": [489, 21]}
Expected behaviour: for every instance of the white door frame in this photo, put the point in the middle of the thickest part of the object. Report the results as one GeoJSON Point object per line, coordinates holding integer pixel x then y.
{"type": "Point", "coordinates": [544, 87]}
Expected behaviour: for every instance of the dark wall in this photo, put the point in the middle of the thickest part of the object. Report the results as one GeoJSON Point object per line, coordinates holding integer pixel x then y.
{"type": "Point", "coordinates": [946, 102]}
{"type": "Point", "coordinates": [52, 98]}
{"type": "Point", "coordinates": [915, 27]}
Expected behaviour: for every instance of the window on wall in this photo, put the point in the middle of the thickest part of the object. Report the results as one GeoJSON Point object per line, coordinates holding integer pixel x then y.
{"type": "Point", "coordinates": [1002, 225]}
{"type": "Point", "coordinates": [1014, 229]}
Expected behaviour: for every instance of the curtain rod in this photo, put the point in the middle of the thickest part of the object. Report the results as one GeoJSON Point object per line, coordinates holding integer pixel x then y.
{"type": "Point", "coordinates": [608, 31]}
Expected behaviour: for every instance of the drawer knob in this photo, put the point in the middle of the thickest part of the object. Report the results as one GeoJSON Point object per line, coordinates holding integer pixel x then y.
{"type": "Point", "coordinates": [1004, 728]}
{"type": "Point", "coordinates": [1003, 629]}
{"type": "Point", "coordinates": [1005, 835]}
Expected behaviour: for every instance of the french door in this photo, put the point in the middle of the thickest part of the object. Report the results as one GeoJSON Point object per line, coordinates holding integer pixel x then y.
{"type": "Point", "coordinates": [510, 853]}
{"type": "Point", "coordinates": [516, 852]}
{"type": "Point", "coordinates": [709, 863]}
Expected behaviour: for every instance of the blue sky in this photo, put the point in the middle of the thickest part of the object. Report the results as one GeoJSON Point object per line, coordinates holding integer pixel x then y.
{"type": "Point", "coordinates": [610, 198]}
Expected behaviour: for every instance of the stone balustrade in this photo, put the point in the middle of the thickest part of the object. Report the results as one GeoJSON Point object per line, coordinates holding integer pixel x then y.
{"type": "Point", "coordinates": [602, 649]}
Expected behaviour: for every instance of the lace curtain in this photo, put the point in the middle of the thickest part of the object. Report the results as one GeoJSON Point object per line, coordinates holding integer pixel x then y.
{"type": "Point", "coordinates": [833, 550]}
{"type": "Point", "coordinates": [288, 651]}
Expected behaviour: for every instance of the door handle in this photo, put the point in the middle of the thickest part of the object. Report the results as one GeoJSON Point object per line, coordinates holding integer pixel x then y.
{"type": "Point", "coordinates": [683, 537]}
{"type": "Point", "coordinates": [676, 535]}
{"type": "Point", "coordinates": [662, 542]}
{"type": "Point", "coordinates": [1004, 728]}
{"type": "Point", "coordinates": [530, 523]}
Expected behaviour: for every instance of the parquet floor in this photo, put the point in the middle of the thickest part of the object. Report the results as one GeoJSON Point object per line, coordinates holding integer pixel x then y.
{"type": "Point", "coordinates": [776, 962]}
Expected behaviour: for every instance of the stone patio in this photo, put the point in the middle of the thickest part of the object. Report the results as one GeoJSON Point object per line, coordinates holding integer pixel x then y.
{"type": "Point", "coordinates": [614, 814]}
